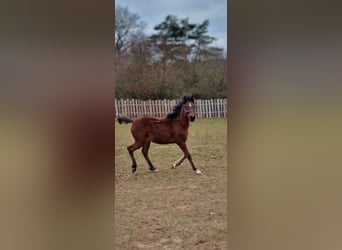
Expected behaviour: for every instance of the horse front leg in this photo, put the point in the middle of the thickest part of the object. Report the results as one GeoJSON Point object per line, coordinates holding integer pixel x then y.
{"type": "Point", "coordinates": [179, 161]}
{"type": "Point", "coordinates": [185, 150]}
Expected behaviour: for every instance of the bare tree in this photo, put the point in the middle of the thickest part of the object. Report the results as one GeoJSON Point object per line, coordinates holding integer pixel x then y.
{"type": "Point", "coordinates": [128, 27]}
{"type": "Point", "coordinates": [178, 58]}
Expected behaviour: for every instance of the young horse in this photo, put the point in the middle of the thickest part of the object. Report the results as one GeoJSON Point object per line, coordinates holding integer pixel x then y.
{"type": "Point", "coordinates": [172, 129]}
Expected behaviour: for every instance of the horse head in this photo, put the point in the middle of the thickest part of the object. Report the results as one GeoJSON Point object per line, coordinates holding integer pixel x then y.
{"type": "Point", "coordinates": [189, 106]}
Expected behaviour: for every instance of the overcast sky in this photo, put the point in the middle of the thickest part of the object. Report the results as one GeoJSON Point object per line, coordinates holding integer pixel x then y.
{"type": "Point", "coordinates": [154, 12]}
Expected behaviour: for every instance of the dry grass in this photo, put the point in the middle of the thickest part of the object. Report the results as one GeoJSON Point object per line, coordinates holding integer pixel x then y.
{"type": "Point", "coordinates": [173, 209]}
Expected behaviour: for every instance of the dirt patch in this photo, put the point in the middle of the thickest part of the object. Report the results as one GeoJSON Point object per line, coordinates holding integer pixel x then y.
{"type": "Point", "coordinates": [173, 209]}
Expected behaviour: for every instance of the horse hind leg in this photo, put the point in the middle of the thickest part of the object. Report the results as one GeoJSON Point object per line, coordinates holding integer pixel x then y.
{"type": "Point", "coordinates": [145, 153]}
{"type": "Point", "coordinates": [131, 150]}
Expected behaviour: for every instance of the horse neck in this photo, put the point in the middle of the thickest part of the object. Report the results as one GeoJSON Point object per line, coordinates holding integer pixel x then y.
{"type": "Point", "coordinates": [183, 118]}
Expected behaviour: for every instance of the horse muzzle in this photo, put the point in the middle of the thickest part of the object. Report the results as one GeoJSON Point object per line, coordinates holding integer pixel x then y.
{"type": "Point", "coordinates": [192, 117]}
{"type": "Point", "coordinates": [191, 114]}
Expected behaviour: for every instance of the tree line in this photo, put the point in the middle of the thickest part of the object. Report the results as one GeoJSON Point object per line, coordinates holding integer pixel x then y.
{"type": "Point", "coordinates": [176, 59]}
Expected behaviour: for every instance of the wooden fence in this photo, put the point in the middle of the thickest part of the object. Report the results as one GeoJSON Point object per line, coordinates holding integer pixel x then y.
{"type": "Point", "coordinates": [134, 108]}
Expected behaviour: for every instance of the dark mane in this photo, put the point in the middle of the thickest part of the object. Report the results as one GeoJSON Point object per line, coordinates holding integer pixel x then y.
{"type": "Point", "coordinates": [177, 108]}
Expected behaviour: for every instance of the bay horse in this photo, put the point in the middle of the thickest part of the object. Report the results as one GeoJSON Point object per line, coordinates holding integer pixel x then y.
{"type": "Point", "coordinates": [172, 129]}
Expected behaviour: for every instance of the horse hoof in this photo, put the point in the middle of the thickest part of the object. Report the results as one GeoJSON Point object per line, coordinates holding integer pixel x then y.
{"type": "Point", "coordinates": [174, 165]}
{"type": "Point", "coordinates": [198, 171]}
{"type": "Point", "coordinates": [155, 170]}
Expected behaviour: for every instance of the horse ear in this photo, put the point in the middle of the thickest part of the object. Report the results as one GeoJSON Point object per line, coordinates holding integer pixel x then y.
{"type": "Point", "coordinates": [184, 99]}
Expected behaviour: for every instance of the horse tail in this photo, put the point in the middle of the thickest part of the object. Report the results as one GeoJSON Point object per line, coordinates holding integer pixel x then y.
{"type": "Point", "coordinates": [124, 119]}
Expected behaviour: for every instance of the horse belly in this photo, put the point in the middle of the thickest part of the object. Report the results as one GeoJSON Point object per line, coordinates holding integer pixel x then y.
{"type": "Point", "coordinates": [162, 138]}
{"type": "Point", "coordinates": [159, 132]}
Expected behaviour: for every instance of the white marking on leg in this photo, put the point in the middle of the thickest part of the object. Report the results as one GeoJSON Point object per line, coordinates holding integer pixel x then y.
{"type": "Point", "coordinates": [198, 171]}
{"type": "Point", "coordinates": [178, 162]}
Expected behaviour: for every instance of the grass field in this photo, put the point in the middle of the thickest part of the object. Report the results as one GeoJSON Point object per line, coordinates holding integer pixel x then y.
{"type": "Point", "coordinates": [175, 208]}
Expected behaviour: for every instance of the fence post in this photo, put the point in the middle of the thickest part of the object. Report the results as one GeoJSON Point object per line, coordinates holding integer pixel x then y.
{"type": "Point", "coordinates": [214, 108]}
{"type": "Point", "coordinates": [200, 108]}
{"type": "Point", "coordinates": [197, 108]}
{"type": "Point", "coordinates": [137, 108]}
{"type": "Point", "coordinates": [133, 108]}
{"type": "Point", "coordinates": [205, 108]}
{"type": "Point", "coordinates": [165, 106]}
{"type": "Point", "coordinates": [225, 107]}
{"type": "Point", "coordinates": [159, 108]}
{"type": "Point", "coordinates": [116, 107]}
{"type": "Point", "coordinates": [124, 106]}
{"type": "Point", "coordinates": [144, 108]}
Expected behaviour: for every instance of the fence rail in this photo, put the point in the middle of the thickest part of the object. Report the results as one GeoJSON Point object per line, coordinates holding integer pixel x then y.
{"type": "Point", "coordinates": [159, 108]}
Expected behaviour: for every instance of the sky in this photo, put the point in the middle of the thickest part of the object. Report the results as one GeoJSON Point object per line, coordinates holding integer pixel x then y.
{"type": "Point", "coordinates": [153, 12]}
